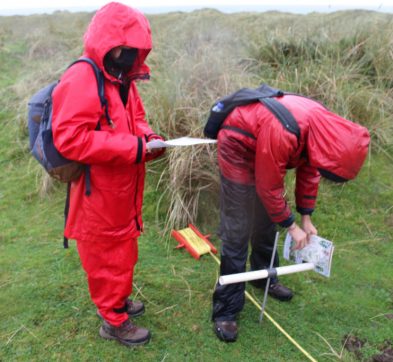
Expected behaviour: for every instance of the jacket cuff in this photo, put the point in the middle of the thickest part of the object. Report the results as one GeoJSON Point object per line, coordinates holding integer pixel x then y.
{"type": "Point", "coordinates": [141, 150]}
{"type": "Point", "coordinates": [287, 222]}
{"type": "Point", "coordinates": [304, 210]}
{"type": "Point", "coordinates": [147, 136]}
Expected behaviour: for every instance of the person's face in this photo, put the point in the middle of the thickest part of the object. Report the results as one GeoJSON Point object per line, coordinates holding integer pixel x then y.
{"type": "Point", "coordinates": [120, 60]}
{"type": "Point", "coordinates": [115, 52]}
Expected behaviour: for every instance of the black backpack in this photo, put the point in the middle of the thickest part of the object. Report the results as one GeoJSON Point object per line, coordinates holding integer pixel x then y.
{"type": "Point", "coordinates": [264, 94]}
{"type": "Point", "coordinates": [41, 137]}
{"type": "Point", "coordinates": [40, 129]}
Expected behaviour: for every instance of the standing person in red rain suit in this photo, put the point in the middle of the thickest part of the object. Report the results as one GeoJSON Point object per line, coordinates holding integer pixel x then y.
{"type": "Point", "coordinates": [254, 152]}
{"type": "Point", "coordinates": [107, 223]}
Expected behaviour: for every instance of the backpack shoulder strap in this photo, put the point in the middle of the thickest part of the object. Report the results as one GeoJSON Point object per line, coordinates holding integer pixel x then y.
{"type": "Point", "coordinates": [100, 84]}
{"type": "Point", "coordinates": [66, 210]}
{"type": "Point", "coordinates": [282, 114]}
{"type": "Point", "coordinates": [266, 91]}
{"type": "Point", "coordinates": [98, 74]}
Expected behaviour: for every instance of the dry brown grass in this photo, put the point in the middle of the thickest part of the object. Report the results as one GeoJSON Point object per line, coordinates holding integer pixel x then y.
{"type": "Point", "coordinates": [344, 59]}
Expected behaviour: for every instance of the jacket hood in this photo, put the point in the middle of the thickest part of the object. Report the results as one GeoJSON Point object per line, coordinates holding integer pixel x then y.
{"type": "Point", "coordinates": [116, 25]}
{"type": "Point", "coordinates": [337, 145]}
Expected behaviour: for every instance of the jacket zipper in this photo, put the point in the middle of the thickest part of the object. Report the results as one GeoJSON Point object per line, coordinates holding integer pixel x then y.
{"type": "Point", "coordinates": [138, 226]}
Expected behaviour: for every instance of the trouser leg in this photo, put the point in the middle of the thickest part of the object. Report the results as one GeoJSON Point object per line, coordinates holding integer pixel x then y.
{"type": "Point", "coordinates": [109, 267]}
{"type": "Point", "coordinates": [235, 220]}
{"type": "Point", "coordinates": [262, 242]}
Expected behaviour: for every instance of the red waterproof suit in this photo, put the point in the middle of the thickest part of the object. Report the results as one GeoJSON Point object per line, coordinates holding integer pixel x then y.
{"type": "Point", "coordinates": [254, 148]}
{"type": "Point", "coordinates": [254, 152]}
{"type": "Point", "coordinates": [106, 223]}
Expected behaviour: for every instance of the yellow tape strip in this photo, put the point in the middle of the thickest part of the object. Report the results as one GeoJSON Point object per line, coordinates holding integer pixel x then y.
{"type": "Point", "coordinates": [198, 244]}
{"type": "Point", "coordinates": [297, 345]}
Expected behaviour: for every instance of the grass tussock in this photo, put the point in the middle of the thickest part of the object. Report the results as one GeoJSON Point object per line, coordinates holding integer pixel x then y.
{"type": "Point", "coordinates": [348, 67]}
{"type": "Point", "coordinates": [191, 172]}
{"type": "Point", "coordinates": [200, 61]}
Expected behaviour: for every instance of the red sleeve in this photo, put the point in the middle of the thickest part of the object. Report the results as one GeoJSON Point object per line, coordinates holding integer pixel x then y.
{"type": "Point", "coordinates": [307, 181]}
{"type": "Point", "coordinates": [76, 112]}
{"type": "Point", "coordinates": [274, 146]}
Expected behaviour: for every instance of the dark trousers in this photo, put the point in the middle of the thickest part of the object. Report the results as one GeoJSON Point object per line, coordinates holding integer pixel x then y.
{"type": "Point", "coordinates": [243, 218]}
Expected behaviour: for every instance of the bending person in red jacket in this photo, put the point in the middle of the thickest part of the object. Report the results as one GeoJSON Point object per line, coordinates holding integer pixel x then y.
{"type": "Point", "coordinates": [254, 153]}
{"type": "Point", "coordinates": [107, 223]}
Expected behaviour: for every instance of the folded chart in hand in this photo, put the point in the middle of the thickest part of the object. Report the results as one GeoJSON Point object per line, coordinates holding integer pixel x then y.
{"type": "Point", "coordinates": [182, 141]}
{"type": "Point", "coordinates": [319, 251]}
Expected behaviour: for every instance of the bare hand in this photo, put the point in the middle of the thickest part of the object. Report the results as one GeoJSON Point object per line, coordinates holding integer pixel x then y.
{"type": "Point", "coordinates": [308, 227]}
{"type": "Point", "coordinates": [153, 153]}
{"type": "Point", "coordinates": [299, 236]}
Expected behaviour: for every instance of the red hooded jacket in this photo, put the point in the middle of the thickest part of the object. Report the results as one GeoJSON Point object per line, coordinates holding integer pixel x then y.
{"type": "Point", "coordinates": [116, 154]}
{"type": "Point", "coordinates": [263, 150]}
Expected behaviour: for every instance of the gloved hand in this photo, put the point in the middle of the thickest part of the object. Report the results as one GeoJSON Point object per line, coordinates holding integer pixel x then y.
{"type": "Point", "coordinates": [154, 153]}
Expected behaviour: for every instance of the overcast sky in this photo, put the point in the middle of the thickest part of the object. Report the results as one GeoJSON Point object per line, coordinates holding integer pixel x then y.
{"type": "Point", "coordinates": [23, 6]}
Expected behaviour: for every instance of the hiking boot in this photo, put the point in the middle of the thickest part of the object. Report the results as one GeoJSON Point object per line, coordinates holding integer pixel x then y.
{"type": "Point", "coordinates": [134, 308]}
{"type": "Point", "coordinates": [278, 291]}
{"type": "Point", "coordinates": [226, 330]}
{"type": "Point", "coordinates": [127, 333]}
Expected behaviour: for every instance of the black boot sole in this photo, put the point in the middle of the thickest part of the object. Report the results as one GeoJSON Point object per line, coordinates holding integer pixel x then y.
{"type": "Point", "coordinates": [221, 336]}
{"type": "Point", "coordinates": [281, 299]}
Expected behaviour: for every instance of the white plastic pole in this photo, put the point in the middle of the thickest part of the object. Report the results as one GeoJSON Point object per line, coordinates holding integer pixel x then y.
{"type": "Point", "coordinates": [263, 274]}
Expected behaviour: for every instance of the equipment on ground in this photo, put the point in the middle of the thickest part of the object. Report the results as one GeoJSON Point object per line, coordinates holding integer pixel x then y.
{"type": "Point", "coordinates": [194, 241]}
{"type": "Point", "coordinates": [198, 244]}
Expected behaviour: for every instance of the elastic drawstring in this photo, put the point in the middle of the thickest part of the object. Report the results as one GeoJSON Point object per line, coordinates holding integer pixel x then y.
{"type": "Point", "coordinates": [108, 118]}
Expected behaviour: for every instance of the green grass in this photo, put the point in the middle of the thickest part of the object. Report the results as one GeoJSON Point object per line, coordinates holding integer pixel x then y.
{"type": "Point", "coordinates": [46, 312]}
{"type": "Point", "coordinates": [45, 309]}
